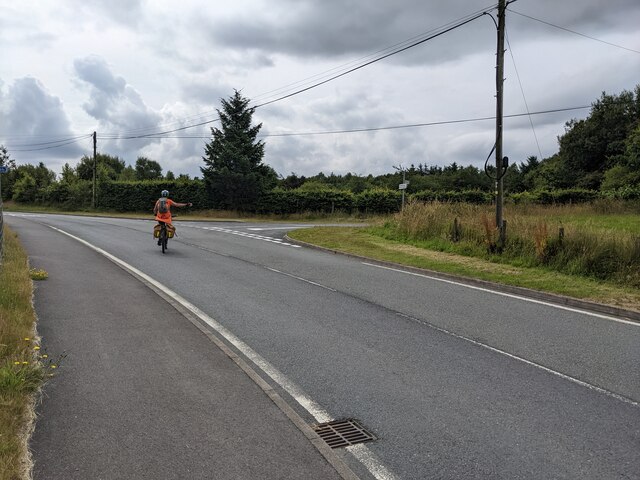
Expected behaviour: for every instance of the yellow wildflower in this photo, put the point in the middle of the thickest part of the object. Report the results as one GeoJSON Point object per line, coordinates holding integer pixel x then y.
{"type": "Point", "coordinates": [25, 363]}
{"type": "Point", "coordinates": [16, 363]}
{"type": "Point", "coordinates": [45, 356]}
{"type": "Point", "coordinates": [27, 338]}
{"type": "Point", "coordinates": [53, 366]}
{"type": "Point", "coordinates": [36, 348]}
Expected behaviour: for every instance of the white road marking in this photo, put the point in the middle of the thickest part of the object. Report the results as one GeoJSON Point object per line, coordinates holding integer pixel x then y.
{"type": "Point", "coordinates": [258, 229]}
{"type": "Point", "coordinates": [244, 234]}
{"type": "Point", "coordinates": [32, 215]}
{"type": "Point", "coordinates": [524, 360]}
{"type": "Point", "coordinates": [301, 279]}
{"type": "Point", "coordinates": [373, 465]}
{"type": "Point", "coordinates": [369, 460]}
{"type": "Point", "coordinates": [510, 295]}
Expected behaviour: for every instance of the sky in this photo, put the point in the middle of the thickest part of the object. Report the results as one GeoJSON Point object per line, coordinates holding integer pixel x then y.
{"type": "Point", "coordinates": [126, 68]}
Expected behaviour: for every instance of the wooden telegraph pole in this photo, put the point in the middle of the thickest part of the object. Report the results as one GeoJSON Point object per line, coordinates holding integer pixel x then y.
{"type": "Point", "coordinates": [500, 162]}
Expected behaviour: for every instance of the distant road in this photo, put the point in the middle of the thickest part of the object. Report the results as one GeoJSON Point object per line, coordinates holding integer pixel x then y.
{"type": "Point", "coordinates": [455, 381]}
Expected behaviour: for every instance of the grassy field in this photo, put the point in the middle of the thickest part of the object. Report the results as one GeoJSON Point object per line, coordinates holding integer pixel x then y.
{"type": "Point", "coordinates": [22, 369]}
{"type": "Point", "coordinates": [597, 259]}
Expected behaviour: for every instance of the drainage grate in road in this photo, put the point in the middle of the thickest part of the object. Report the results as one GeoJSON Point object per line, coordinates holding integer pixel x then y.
{"type": "Point", "coordinates": [342, 433]}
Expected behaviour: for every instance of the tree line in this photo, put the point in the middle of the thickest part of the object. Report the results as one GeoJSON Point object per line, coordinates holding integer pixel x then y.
{"type": "Point", "coordinates": [599, 154]}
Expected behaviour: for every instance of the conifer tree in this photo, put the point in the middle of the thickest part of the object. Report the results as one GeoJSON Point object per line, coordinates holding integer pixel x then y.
{"type": "Point", "coordinates": [234, 173]}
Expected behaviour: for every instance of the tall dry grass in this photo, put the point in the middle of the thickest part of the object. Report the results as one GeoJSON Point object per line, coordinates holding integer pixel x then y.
{"type": "Point", "coordinates": [534, 236]}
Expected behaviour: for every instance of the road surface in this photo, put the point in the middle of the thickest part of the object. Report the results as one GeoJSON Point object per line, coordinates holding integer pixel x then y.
{"type": "Point", "coordinates": [454, 381]}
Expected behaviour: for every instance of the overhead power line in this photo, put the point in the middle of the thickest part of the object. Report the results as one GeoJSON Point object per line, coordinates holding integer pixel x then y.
{"type": "Point", "coordinates": [574, 32]}
{"type": "Point", "coordinates": [526, 104]}
{"type": "Point", "coordinates": [368, 60]}
{"type": "Point", "coordinates": [391, 48]}
{"type": "Point", "coordinates": [414, 44]}
{"type": "Point", "coordinates": [58, 144]}
{"type": "Point", "coordinates": [393, 127]}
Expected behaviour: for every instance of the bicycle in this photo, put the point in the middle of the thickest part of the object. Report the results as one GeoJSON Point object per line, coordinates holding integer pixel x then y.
{"type": "Point", "coordinates": [163, 234]}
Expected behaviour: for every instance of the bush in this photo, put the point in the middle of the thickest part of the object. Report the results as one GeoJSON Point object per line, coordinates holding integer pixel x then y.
{"type": "Point", "coordinates": [325, 200]}
{"type": "Point", "coordinates": [476, 197]}
{"type": "Point", "coordinates": [378, 200]}
{"type": "Point", "coordinates": [550, 197]}
{"type": "Point", "coordinates": [141, 196]}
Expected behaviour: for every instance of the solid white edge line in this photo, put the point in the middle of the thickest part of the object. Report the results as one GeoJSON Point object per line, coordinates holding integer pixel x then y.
{"type": "Point", "coordinates": [373, 465]}
{"type": "Point", "coordinates": [528, 362]}
{"type": "Point", "coordinates": [510, 295]}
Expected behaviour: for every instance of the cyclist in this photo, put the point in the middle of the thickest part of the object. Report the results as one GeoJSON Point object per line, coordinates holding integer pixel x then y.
{"type": "Point", "coordinates": [162, 208]}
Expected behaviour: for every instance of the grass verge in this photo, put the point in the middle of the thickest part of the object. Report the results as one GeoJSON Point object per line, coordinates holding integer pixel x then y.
{"type": "Point", "coordinates": [361, 241]}
{"type": "Point", "coordinates": [21, 371]}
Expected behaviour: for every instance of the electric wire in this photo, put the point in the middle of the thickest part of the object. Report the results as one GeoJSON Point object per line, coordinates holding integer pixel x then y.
{"type": "Point", "coordinates": [515, 67]}
{"type": "Point", "coordinates": [573, 31]}
{"type": "Point", "coordinates": [18, 145]}
{"type": "Point", "coordinates": [391, 50]}
{"type": "Point", "coordinates": [70, 142]}
{"type": "Point", "coordinates": [414, 44]}
{"type": "Point", "coordinates": [393, 127]}
{"type": "Point", "coordinates": [371, 55]}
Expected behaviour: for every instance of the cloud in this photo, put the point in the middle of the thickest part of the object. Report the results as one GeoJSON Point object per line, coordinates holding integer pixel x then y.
{"type": "Point", "coordinates": [118, 107]}
{"type": "Point", "coordinates": [339, 28]}
{"type": "Point", "coordinates": [32, 117]}
{"type": "Point", "coordinates": [125, 12]}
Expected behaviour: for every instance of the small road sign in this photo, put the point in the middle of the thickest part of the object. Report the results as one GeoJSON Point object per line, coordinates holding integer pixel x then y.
{"type": "Point", "coordinates": [403, 186]}
{"type": "Point", "coordinates": [4, 169]}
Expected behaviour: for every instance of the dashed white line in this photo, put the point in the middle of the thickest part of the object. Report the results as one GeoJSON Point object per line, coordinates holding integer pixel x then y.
{"type": "Point", "coordinates": [244, 234]}
{"type": "Point", "coordinates": [301, 279]}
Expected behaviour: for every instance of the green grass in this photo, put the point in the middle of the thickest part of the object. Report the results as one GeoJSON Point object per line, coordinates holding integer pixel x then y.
{"type": "Point", "coordinates": [365, 242]}
{"type": "Point", "coordinates": [21, 369]}
{"type": "Point", "coordinates": [24, 366]}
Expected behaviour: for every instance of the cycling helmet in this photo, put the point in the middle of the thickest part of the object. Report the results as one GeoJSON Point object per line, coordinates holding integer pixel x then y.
{"type": "Point", "coordinates": [165, 193]}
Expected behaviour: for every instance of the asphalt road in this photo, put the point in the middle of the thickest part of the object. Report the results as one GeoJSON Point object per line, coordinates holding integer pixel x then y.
{"type": "Point", "coordinates": [455, 382]}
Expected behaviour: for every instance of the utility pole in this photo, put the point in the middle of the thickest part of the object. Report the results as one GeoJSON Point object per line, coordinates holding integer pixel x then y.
{"type": "Point", "coordinates": [500, 162]}
{"type": "Point", "coordinates": [93, 201]}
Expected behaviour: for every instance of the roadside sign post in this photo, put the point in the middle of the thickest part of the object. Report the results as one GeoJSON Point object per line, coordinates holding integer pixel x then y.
{"type": "Point", "coordinates": [403, 186]}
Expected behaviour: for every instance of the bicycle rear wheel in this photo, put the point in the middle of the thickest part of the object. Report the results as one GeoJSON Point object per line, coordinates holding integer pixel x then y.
{"type": "Point", "coordinates": [163, 239]}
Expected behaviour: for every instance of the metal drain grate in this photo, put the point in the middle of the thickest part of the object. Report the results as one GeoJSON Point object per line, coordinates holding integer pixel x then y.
{"type": "Point", "coordinates": [341, 433]}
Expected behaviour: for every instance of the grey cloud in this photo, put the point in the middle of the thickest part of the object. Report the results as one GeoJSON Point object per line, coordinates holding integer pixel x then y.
{"type": "Point", "coordinates": [113, 102]}
{"type": "Point", "coordinates": [124, 12]}
{"type": "Point", "coordinates": [95, 71]}
{"type": "Point", "coordinates": [32, 115]}
{"type": "Point", "coordinates": [337, 28]}
{"type": "Point", "coordinates": [205, 93]}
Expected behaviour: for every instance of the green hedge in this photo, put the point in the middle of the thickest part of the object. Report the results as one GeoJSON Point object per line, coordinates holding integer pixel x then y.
{"type": "Point", "coordinates": [141, 196]}
{"type": "Point", "coordinates": [624, 193]}
{"type": "Point", "coordinates": [465, 196]}
{"type": "Point", "coordinates": [281, 201]}
{"type": "Point", "coordinates": [549, 197]}
{"type": "Point", "coordinates": [378, 200]}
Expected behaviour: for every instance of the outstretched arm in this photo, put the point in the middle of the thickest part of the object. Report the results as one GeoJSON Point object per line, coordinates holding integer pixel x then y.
{"type": "Point", "coordinates": [182, 204]}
